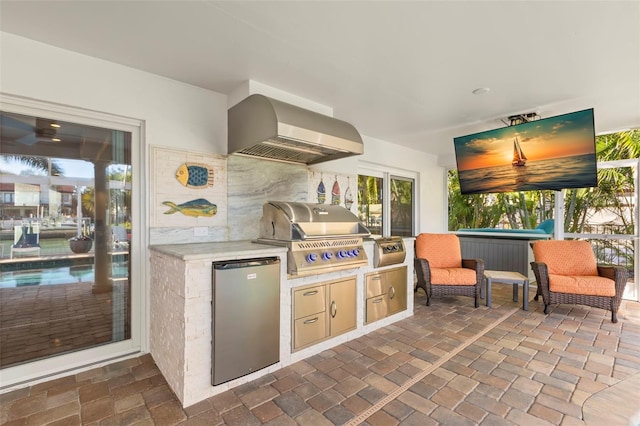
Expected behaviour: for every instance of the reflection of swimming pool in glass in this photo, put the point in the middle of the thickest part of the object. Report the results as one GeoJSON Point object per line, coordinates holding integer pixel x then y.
{"type": "Point", "coordinates": [53, 276]}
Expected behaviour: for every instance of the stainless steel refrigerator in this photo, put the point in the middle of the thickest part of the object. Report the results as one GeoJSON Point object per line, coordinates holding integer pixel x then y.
{"type": "Point", "coordinates": [245, 317]}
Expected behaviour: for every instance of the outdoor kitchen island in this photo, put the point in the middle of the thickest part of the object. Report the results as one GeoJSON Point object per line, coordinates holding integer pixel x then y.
{"type": "Point", "coordinates": [180, 309]}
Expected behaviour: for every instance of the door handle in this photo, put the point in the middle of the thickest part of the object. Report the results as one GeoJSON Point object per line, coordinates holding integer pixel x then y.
{"type": "Point", "coordinates": [378, 300]}
{"type": "Point", "coordinates": [392, 292]}
{"type": "Point", "coordinates": [333, 309]}
{"type": "Point", "coordinates": [310, 293]}
{"type": "Point", "coordinates": [311, 321]}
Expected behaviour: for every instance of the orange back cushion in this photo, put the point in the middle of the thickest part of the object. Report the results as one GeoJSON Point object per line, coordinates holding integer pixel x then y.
{"type": "Point", "coordinates": [571, 257]}
{"type": "Point", "coordinates": [441, 250]}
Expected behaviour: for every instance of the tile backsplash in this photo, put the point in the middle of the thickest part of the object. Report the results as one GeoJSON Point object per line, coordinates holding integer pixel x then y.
{"type": "Point", "coordinates": [250, 183]}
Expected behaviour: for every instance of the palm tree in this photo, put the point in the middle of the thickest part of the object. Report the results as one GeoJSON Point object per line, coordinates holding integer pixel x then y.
{"type": "Point", "coordinates": [38, 163]}
{"type": "Point", "coordinates": [518, 209]}
{"type": "Point", "coordinates": [617, 146]}
{"type": "Point", "coordinates": [369, 193]}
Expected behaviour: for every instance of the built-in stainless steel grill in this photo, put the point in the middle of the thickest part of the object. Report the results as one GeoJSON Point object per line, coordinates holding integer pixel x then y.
{"type": "Point", "coordinates": [321, 238]}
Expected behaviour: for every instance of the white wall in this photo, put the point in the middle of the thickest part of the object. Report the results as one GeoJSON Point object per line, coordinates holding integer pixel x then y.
{"type": "Point", "coordinates": [175, 114]}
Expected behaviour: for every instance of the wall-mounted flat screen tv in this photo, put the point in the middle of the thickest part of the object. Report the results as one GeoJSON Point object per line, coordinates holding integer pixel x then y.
{"type": "Point", "coordinates": [552, 153]}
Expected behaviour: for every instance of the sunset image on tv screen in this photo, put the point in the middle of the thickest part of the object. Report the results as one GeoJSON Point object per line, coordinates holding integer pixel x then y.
{"type": "Point", "coordinates": [553, 153]}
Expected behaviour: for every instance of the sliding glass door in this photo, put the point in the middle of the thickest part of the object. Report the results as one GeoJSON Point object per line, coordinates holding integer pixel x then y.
{"type": "Point", "coordinates": [67, 216]}
{"type": "Point", "coordinates": [387, 204]}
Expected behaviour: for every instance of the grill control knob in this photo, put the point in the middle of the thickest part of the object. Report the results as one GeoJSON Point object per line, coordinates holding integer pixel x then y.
{"type": "Point", "coordinates": [327, 255]}
{"type": "Point", "coordinates": [355, 252]}
{"type": "Point", "coordinates": [312, 257]}
{"type": "Point", "coordinates": [342, 254]}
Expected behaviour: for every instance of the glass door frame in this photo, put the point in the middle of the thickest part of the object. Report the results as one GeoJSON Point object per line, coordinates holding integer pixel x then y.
{"type": "Point", "coordinates": [412, 180]}
{"type": "Point", "coordinates": [57, 366]}
{"type": "Point", "coordinates": [386, 174]}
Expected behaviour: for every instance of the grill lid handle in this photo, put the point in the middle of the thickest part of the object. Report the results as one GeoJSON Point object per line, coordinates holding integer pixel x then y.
{"type": "Point", "coordinates": [320, 210]}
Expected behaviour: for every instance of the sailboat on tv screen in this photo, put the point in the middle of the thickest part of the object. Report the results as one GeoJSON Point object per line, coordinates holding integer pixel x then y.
{"type": "Point", "coordinates": [519, 159]}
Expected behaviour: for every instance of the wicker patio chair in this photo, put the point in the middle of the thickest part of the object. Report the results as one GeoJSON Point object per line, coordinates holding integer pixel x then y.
{"type": "Point", "coordinates": [441, 271]}
{"type": "Point", "coordinates": [567, 272]}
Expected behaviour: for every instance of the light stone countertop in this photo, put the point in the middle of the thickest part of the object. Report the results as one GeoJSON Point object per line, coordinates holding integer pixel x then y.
{"type": "Point", "coordinates": [223, 250]}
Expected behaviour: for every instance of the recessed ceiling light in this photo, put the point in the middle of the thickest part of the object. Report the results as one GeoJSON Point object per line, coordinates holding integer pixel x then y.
{"type": "Point", "coordinates": [55, 139]}
{"type": "Point", "coordinates": [481, 91]}
{"type": "Point", "coordinates": [56, 125]}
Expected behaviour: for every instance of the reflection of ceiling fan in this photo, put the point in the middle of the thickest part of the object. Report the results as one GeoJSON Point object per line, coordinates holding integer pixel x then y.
{"type": "Point", "coordinates": [28, 130]}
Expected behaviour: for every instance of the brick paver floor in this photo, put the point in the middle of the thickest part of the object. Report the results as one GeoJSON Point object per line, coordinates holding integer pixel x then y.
{"type": "Point", "coordinates": [449, 364]}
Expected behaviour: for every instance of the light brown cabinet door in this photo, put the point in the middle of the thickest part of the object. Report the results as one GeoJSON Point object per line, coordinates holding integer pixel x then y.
{"type": "Point", "coordinates": [397, 290]}
{"type": "Point", "coordinates": [342, 306]}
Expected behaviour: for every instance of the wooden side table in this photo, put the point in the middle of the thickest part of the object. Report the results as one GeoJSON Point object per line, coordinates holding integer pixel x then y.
{"type": "Point", "coordinates": [509, 277]}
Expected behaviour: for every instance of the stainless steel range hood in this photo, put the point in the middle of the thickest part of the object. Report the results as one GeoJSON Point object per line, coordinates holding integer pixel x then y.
{"type": "Point", "coordinates": [263, 127]}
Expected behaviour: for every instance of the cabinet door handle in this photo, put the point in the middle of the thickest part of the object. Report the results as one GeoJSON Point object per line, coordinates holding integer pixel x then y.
{"type": "Point", "coordinates": [310, 293]}
{"type": "Point", "coordinates": [378, 300]}
{"type": "Point", "coordinates": [376, 277]}
{"type": "Point", "coordinates": [334, 309]}
{"type": "Point", "coordinates": [311, 321]}
{"type": "Point", "coordinates": [392, 292]}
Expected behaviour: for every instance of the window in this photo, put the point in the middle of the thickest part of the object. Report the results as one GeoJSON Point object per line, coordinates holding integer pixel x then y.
{"type": "Point", "coordinates": [7, 198]}
{"type": "Point", "coordinates": [370, 203]}
{"type": "Point", "coordinates": [386, 204]}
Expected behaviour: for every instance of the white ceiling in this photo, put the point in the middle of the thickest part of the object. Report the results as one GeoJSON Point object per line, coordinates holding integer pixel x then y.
{"type": "Point", "coordinates": [399, 71]}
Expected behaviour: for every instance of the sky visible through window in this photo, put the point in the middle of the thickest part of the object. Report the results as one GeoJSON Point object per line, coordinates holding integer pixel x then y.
{"type": "Point", "coordinates": [71, 168]}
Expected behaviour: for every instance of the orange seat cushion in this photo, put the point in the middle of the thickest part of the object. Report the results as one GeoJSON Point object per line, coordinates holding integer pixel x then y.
{"type": "Point", "coordinates": [453, 276]}
{"type": "Point", "coordinates": [441, 250]}
{"type": "Point", "coordinates": [587, 285]}
{"type": "Point", "coordinates": [566, 257]}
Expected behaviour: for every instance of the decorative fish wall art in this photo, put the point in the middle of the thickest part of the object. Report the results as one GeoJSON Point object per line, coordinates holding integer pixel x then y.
{"type": "Point", "coordinates": [348, 196]}
{"type": "Point", "coordinates": [322, 192]}
{"type": "Point", "coordinates": [193, 208]}
{"type": "Point", "coordinates": [195, 175]}
{"type": "Point", "coordinates": [335, 193]}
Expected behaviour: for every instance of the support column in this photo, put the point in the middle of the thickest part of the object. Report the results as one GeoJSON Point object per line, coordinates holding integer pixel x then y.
{"type": "Point", "coordinates": [102, 238]}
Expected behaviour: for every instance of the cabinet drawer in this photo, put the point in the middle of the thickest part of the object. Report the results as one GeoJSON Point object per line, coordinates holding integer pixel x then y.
{"type": "Point", "coordinates": [310, 329]}
{"type": "Point", "coordinates": [377, 308]}
{"type": "Point", "coordinates": [309, 301]}
{"type": "Point", "coordinates": [376, 284]}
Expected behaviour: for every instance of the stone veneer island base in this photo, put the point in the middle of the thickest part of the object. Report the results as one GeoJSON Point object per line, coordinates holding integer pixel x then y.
{"type": "Point", "coordinates": [180, 311]}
